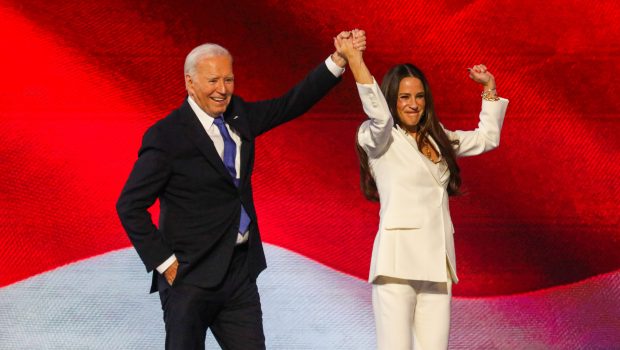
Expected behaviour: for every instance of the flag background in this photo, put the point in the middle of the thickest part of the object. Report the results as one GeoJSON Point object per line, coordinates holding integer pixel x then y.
{"type": "Point", "coordinates": [537, 235]}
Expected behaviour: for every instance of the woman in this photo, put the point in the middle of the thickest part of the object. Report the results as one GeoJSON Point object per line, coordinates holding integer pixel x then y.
{"type": "Point", "coordinates": [408, 163]}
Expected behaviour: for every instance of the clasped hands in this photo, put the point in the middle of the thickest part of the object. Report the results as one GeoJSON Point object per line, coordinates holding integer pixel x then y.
{"type": "Point", "coordinates": [349, 44]}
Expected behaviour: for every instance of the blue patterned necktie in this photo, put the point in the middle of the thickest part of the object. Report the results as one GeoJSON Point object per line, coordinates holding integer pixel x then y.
{"type": "Point", "coordinates": [230, 153]}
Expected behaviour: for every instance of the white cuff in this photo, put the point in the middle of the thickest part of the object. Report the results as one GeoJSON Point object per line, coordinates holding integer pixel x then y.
{"type": "Point", "coordinates": [166, 264]}
{"type": "Point", "coordinates": [336, 70]}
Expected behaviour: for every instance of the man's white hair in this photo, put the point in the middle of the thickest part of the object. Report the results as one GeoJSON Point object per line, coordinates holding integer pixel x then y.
{"type": "Point", "coordinates": [203, 51]}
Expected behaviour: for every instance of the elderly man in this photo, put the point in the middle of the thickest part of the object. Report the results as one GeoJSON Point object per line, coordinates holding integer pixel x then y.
{"type": "Point", "coordinates": [198, 161]}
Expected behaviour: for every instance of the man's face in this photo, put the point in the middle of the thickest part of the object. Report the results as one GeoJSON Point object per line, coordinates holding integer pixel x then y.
{"type": "Point", "coordinates": [212, 84]}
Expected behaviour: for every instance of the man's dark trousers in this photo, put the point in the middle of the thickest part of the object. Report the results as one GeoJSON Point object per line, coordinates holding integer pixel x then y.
{"type": "Point", "coordinates": [231, 310]}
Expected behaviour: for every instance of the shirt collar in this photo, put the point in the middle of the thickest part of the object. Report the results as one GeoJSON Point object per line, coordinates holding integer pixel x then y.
{"type": "Point", "coordinates": [205, 119]}
{"type": "Point", "coordinates": [400, 129]}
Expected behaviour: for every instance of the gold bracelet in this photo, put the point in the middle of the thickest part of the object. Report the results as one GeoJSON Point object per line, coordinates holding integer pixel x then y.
{"type": "Point", "coordinates": [486, 95]}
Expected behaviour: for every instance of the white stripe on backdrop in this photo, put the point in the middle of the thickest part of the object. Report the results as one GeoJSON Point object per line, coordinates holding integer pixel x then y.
{"type": "Point", "coordinates": [102, 303]}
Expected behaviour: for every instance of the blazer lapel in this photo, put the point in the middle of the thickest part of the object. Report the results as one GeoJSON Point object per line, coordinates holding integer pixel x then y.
{"type": "Point", "coordinates": [422, 157]}
{"type": "Point", "coordinates": [437, 172]}
{"type": "Point", "coordinates": [197, 134]}
{"type": "Point", "coordinates": [245, 157]}
{"type": "Point", "coordinates": [239, 124]}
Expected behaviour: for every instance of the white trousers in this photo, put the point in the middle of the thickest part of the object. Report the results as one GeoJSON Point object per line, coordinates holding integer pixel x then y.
{"type": "Point", "coordinates": [411, 312]}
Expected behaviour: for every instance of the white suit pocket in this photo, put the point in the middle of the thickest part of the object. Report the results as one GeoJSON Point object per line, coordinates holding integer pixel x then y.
{"type": "Point", "coordinates": [402, 223]}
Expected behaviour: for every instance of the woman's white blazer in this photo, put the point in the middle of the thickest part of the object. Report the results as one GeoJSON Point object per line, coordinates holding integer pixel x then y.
{"type": "Point", "coordinates": [415, 237]}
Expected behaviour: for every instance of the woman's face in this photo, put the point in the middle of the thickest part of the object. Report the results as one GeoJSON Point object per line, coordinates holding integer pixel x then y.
{"type": "Point", "coordinates": [410, 103]}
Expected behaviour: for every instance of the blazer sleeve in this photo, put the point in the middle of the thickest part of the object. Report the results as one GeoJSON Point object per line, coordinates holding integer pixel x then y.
{"type": "Point", "coordinates": [266, 115]}
{"type": "Point", "coordinates": [146, 180]}
{"type": "Point", "coordinates": [486, 136]}
{"type": "Point", "coordinates": [375, 134]}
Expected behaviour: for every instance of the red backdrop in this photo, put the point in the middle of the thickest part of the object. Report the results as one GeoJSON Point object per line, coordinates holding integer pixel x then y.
{"type": "Point", "coordinates": [83, 80]}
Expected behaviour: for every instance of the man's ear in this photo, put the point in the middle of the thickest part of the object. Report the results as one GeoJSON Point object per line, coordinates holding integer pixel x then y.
{"type": "Point", "coordinates": [189, 83]}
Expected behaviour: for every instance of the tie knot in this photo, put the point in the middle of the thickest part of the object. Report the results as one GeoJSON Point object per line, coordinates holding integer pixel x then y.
{"type": "Point", "coordinates": [219, 121]}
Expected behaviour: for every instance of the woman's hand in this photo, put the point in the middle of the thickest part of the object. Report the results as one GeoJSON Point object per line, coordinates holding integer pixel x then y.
{"type": "Point", "coordinates": [359, 39]}
{"type": "Point", "coordinates": [481, 75]}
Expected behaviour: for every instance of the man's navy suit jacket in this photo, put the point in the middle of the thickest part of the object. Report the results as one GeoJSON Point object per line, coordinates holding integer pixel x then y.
{"type": "Point", "coordinates": [200, 205]}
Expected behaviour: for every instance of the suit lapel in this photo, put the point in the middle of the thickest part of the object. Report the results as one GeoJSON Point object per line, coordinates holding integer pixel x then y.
{"type": "Point", "coordinates": [421, 157]}
{"type": "Point", "coordinates": [197, 134]}
{"type": "Point", "coordinates": [245, 157]}
{"type": "Point", "coordinates": [240, 125]}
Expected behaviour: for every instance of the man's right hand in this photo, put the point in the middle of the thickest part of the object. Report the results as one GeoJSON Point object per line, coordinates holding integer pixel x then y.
{"type": "Point", "coordinates": [171, 272]}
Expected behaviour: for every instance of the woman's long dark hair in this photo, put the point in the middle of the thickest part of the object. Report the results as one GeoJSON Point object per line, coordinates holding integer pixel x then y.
{"type": "Point", "coordinates": [428, 125]}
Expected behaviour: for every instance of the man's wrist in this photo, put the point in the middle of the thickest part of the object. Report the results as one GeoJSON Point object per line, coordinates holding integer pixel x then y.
{"type": "Point", "coordinates": [166, 264]}
{"type": "Point", "coordinates": [333, 67]}
{"type": "Point", "coordinates": [338, 60]}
